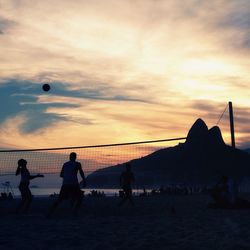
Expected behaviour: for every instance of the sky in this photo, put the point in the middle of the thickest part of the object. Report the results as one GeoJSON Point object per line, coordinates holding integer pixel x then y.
{"type": "Point", "coordinates": [121, 70]}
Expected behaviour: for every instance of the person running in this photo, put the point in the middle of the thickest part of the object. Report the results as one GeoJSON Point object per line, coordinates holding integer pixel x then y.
{"type": "Point", "coordinates": [24, 185]}
{"type": "Point", "coordinates": [126, 179]}
{"type": "Point", "coordinates": [70, 187]}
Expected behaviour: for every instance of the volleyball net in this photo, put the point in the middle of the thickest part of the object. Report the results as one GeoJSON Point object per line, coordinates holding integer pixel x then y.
{"type": "Point", "coordinates": [50, 160]}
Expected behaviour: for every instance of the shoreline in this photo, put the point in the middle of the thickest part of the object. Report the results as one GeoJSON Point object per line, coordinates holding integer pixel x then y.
{"type": "Point", "coordinates": [46, 192]}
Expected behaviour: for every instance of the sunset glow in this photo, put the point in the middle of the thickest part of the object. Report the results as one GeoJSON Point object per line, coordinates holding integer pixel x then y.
{"type": "Point", "coordinates": [121, 71]}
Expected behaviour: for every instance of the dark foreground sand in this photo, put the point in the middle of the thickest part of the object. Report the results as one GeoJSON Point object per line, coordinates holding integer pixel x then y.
{"type": "Point", "coordinates": [149, 225]}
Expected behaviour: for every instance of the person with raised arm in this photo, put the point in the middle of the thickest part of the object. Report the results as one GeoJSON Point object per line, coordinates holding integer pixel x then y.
{"type": "Point", "coordinates": [24, 185]}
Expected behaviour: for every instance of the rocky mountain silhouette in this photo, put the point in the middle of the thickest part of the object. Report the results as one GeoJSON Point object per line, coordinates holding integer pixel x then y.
{"type": "Point", "coordinates": [202, 159]}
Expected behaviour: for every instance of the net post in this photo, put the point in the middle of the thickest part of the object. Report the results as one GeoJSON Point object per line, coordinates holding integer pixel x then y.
{"type": "Point", "coordinates": [231, 123]}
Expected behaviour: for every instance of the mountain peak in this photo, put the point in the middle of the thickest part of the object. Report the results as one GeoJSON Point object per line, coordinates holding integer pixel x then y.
{"type": "Point", "coordinates": [197, 132]}
{"type": "Point", "coordinates": [215, 136]}
{"type": "Point", "coordinates": [200, 160]}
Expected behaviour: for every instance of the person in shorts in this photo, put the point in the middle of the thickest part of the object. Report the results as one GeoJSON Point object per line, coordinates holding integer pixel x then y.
{"type": "Point", "coordinates": [70, 187]}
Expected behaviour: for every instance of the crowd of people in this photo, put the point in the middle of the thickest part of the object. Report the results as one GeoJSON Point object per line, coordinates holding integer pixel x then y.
{"type": "Point", "coordinates": [176, 190]}
{"type": "Point", "coordinates": [6, 196]}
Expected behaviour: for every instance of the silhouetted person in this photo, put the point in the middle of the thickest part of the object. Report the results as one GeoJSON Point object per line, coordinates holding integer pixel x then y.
{"type": "Point", "coordinates": [220, 192]}
{"type": "Point", "coordinates": [126, 179]}
{"type": "Point", "coordinates": [70, 188]}
{"type": "Point", "coordinates": [24, 185]}
{"type": "Point", "coordinates": [225, 195]}
{"type": "Point", "coordinates": [10, 196]}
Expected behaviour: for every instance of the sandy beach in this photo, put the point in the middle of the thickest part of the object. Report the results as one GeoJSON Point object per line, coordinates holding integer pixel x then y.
{"type": "Point", "coordinates": [102, 225]}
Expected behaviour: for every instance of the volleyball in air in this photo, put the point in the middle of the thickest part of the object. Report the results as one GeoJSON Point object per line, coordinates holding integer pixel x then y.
{"type": "Point", "coordinates": [46, 87]}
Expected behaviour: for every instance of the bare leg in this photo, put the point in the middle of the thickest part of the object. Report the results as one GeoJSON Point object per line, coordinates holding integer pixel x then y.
{"type": "Point", "coordinates": [77, 205]}
{"type": "Point", "coordinates": [130, 198]}
{"type": "Point", "coordinates": [127, 196]}
{"type": "Point", "coordinates": [20, 206]}
{"type": "Point", "coordinates": [27, 205]}
{"type": "Point", "coordinates": [122, 201]}
{"type": "Point", "coordinates": [54, 206]}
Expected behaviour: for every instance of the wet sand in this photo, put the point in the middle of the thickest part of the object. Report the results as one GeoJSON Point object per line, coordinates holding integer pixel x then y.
{"type": "Point", "coordinates": [102, 225]}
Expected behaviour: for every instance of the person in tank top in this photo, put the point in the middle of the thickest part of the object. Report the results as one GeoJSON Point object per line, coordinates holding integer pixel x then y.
{"type": "Point", "coordinates": [70, 186]}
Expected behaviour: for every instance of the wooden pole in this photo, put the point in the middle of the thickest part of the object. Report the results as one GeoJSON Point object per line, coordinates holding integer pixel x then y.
{"type": "Point", "coordinates": [231, 123]}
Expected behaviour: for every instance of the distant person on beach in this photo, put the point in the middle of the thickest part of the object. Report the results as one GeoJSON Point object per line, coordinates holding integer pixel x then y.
{"type": "Point", "coordinates": [126, 180]}
{"type": "Point", "coordinates": [220, 193]}
{"type": "Point", "coordinates": [70, 188]}
{"type": "Point", "coordinates": [24, 185]}
{"type": "Point", "coordinates": [225, 195]}
{"type": "Point", "coordinates": [225, 192]}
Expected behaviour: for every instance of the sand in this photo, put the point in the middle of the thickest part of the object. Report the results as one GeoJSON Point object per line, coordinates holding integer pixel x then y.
{"type": "Point", "coordinates": [102, 225]}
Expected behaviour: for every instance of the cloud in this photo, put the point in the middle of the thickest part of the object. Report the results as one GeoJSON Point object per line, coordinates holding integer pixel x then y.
{"type": "Point", "coordinates": [21, 98]}
{"type": "Point", "coordinates": [233, 22]}
{"type": "Point", "coordinates": [212, 110]}
{"type": "Point", "coordinates": [5, 25]}
{"type": "Point", "coordinates": [204, 105]}
{"type": "Point", "coordinates": [140, 65]}
{"type": "Point", "coordinates": [26, 98]}
{"type": "Point", "coordinates": [246, 144]}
